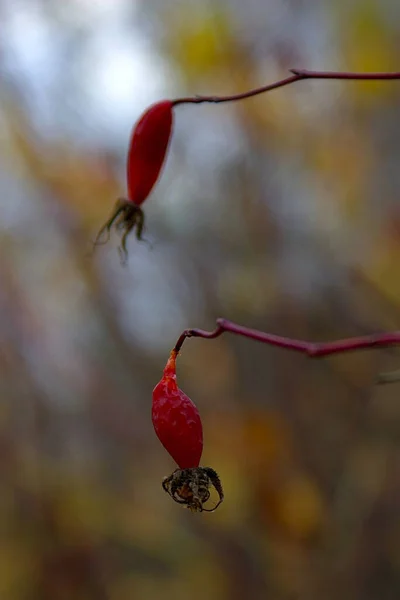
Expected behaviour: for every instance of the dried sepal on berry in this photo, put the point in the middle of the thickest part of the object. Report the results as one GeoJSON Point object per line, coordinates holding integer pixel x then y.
{"type": "Point", "coordinates": [146, 155]}
{"type": "Point", "coordinates": [125, 217]}
{"type": "Point", "coordinates": [191, 487]}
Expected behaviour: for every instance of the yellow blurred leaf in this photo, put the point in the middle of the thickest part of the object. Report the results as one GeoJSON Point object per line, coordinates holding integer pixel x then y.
{"type": "Point", "coordinates": [383, 271]}
{"type": "Point", "coordinates": [300, 507]}
{"type": "Point", "coordinates": [369, 47]}
{"type": "Point", "coordinates": [18, 567]}
{"type": "Point", "coordinates": [200, 40]}
{"type": "Point", "coordinates": [83, 510]}
{"type": "Point", "coordinates": [267, 441]}
{"type": "Point", "coordinates": [344, 158]}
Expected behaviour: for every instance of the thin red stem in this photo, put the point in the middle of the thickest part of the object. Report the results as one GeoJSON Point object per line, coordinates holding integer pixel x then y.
{"type": "Point", "coordinates": [298, 74]}
{"type": "Point", "coordinates": [310, 349]}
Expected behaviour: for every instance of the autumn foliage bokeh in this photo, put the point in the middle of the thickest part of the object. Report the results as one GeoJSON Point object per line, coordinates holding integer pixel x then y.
{"type": "Point", "coordinates": [281, 213]}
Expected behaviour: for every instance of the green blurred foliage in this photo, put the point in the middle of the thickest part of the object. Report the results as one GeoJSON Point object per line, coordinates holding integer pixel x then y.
{"type": "Point", "coordinates": [281, 213]}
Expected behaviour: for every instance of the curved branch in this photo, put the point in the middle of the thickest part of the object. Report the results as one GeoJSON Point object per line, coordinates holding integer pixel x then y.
{"type": "Point", "coordinates": [297, 75]}
{"type": "Point", "coordinates": [310, 349]}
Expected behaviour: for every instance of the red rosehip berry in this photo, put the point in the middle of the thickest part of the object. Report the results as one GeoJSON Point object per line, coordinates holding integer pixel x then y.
{"type": "Point", "coordinates": [176, 419]}
{"type": "Point", "coordinates": [177, 424]}
{"type": "Point", "coordinates": [147, 150]}
{"type": "Point", "coordinates": [146, 155]}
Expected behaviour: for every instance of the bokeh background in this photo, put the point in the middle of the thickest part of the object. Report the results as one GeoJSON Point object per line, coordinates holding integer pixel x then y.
{"type": "Point", "coordinates": [281, 213]}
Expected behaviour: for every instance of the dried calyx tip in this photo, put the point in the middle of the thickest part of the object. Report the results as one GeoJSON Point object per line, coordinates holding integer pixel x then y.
{"type": "Point", "coordinates": [125, 217]}
{"type": "Point", "coordinates": [191, 487]}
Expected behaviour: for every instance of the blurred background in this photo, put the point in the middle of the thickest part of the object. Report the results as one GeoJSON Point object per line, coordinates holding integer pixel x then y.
{"type": "Point", "coordinates": [281, 213]}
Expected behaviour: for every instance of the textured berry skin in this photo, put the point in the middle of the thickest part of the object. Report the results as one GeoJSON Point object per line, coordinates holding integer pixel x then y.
{"type": "Point", "coordinates": [147, 150]}
{"type": "Point", "coordinates": [176, 420]}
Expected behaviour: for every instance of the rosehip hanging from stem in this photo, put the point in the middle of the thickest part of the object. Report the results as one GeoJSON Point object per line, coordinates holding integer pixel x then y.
{"type": "Point", "coordinates": [146, 155]}
{"type": "Point", "coordinates": [178, 426]}
{"type": "Point", "coordinates": [176, 419]}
